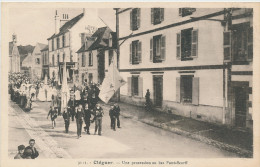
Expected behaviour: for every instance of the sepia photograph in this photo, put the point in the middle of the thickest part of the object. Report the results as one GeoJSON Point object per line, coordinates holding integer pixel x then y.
{"type": "Point", "coordinates": [103, 82]}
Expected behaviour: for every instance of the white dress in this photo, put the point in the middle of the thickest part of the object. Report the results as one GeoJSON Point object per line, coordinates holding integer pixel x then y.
{"type": "Point", "coordinates": [41, 95]}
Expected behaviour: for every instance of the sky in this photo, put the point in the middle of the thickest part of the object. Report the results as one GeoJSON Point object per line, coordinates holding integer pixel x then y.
{"type": "Point", "coordinates": [32, 25]}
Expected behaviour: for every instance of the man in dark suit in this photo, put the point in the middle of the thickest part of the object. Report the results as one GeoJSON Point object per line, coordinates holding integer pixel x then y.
{"type": "Point", "coordinates": [117, 114]}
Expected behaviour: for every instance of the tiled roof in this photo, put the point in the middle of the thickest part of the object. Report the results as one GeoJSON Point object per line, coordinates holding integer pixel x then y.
{"type": "Point", "coordinates": [68, 25]}
{"type": "Point", "coordinates": [102, 38]}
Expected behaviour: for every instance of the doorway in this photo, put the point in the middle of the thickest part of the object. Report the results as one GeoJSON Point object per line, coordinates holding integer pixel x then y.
{"type": "Point", "coordinates": [158, 90]}
{"type": "Point", "coordinates": [240, 106]}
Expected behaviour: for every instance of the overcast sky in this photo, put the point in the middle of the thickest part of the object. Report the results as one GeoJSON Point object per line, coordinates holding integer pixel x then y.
{"type": "Point", "coordinates": [36, 25]}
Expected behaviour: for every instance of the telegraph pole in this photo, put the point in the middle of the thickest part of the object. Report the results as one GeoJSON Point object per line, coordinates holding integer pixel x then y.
{"type": "Point", "coordinates": [117, 47]}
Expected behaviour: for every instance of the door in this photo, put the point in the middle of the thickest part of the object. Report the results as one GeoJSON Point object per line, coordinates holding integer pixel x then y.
{"type": "Point", "coordinates": [240, 106]}
{"type": "Point", "coordinates": [158, 90]}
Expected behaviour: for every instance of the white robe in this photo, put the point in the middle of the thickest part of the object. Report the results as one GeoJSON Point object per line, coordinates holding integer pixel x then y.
{"type": "Point", "coordinates": [42, 95]}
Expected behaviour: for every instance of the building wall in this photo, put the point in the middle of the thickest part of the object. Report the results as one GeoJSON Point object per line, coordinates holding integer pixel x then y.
{"type": "Point", "coordinates": [207, 66]}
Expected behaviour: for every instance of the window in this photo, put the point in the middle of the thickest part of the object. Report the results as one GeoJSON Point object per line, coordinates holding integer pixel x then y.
{"type": "Point", "coordinates": [63, 41]}
{"type": "Point", "coordinates": [53, 61]}
{"type": "Point", "coordinates": [187, 44]}
{"type": "Point", "coordinates": [135, 85]}
{"type": "Point", "coordinates": [110, 41]}
{"type": "Point", "coordinates": [37, 60]}
{"type": "Point", "coordinates": [157, 15]}
{"type": "Point", "coordinates": [90, 77]}
{"type": "Point", "coordinates": [110, 56]}
{"type": "Point", "coordinates": [58, 59]}
{"type": "Point", "coordinates": [90, 59]}
{"type": "Point", "coordinates": [186, 11]}
{"type": "Point", "coordinates": [83, 60]}
{"type": "Point", "coordinates": [82, 77]}
{"type": "Point", "coordinates": [135, 52]}
{"type": "Point", "coordinates": [58, 42]}
{"type": "Point", "coordinates": [187, 89]}
{"type": "Point", "coordinates": [63, 57]}
{"type": "Point", "coordinates": [135, 19]}
{"type": "Point", "coordinates": [52, 44]}
{"type": "Point", "coordinates": [242, 43]}
{"type": "Point", "coordinates": [157, 48]}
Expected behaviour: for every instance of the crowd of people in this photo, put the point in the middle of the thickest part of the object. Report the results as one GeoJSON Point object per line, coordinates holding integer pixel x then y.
{"type": "Point", "coordinates": [83, 106]}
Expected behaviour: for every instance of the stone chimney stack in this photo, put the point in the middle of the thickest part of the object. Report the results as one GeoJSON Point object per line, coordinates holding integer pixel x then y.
{"type": "Point", "coordinates": [65, 18]}
{"type": "Point", "coordinates": [57, 23]}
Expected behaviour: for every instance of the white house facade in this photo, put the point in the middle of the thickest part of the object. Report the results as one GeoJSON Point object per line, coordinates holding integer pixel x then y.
{"type": "Point", "coordinates": [178, 54]}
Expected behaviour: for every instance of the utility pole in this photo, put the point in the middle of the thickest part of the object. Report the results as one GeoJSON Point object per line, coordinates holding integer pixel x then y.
{"type": "Point", "coordinates": [117, 47]}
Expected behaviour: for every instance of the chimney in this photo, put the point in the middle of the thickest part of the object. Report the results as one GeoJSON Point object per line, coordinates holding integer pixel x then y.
{"type": "Point", "coordinates": [57, 23]}
{"type": "Point", "coordinates": [65, 18]}
{"type": "Point", "coordinates": [14, 38]}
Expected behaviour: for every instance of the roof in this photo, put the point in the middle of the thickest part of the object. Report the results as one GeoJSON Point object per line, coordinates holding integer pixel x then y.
{"type": "Point", "coordinates": [45, 48]}
{"type": "Point", "coordinates": [102, 38]}
{"type": "Point", "coordinates": [42, 46]}
{"type": "Point", "coordinates": [24, 51]}
{"type": "Point", "coordinates": [69, 24]}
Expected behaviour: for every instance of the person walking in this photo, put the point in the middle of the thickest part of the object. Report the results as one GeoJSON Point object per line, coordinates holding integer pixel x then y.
{"type": "Point", "coordinates": [117, 114]}
{"type": "Point", "coordinates": [98, 114]}
{"type": "Point", "coordinates": [79, 119]}
{"type": "Point", "coordinates": [53, 113]}
{"type": "Point", "coordinates": [66, 117]}
{"type": "Point", "coordinates": [20, 155]}
{"type": "Point", "coordinates": [112, 117]}
{"type": "Point", "coordinates": [71, 107]}
{"type": "Point", "coordinates": [87, 116]}
{"type": "Point", "coordinates": [148, 104]}
{"type": "Point", "coordinates": [34, 152]}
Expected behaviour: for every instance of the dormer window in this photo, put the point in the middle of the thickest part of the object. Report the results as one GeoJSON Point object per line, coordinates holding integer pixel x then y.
{"type": "Point", "coordinates": [186, 11]}
{"type": "Point", "coordinates": [110, 41]}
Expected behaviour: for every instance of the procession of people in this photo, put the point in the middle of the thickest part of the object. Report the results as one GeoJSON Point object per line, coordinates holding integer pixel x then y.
{"type": "Point", "coordinates": [83, 104]}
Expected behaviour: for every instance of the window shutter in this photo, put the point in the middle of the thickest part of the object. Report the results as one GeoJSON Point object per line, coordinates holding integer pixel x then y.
{"type": "Point", "coordinates": [178, 46]}
{"type": "Point", "coordinates": [130, 54]}
{"type": "Point", "coordinates": [152, 17]}
{"type": "Point", "coordinates": [129, 84]}
{"type": "Point", "coordinates": [138, 17]}
{"type": "Point", "coordinates": [163, 46]}
{"type": "Point", "coordinates": [140, 86]}
{"type": "Point", "coordinates": [151, 49]}
{"type": "Point", "coordinates": [180, 11]}
{"type": "Point", "coordinates": [195, 91]}
{"type": "Point", "coordinates": [194, 44]}
{"type": "Point", "coordinates": [250, 43]}
{"type": "Point", "coordinates": [227, 45]}
{"type": "Point", "coordinates": [139, 52]}
{"type": "Point", "coordinates": [178, 89]}
{"type": "Point", "coordinates": [161, 14]}
{"type": "Point", "coordinates": [131, 21]}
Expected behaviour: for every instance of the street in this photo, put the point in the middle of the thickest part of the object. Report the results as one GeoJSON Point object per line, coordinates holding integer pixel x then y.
{"type": "Point", "coordinates": [133, 140]}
